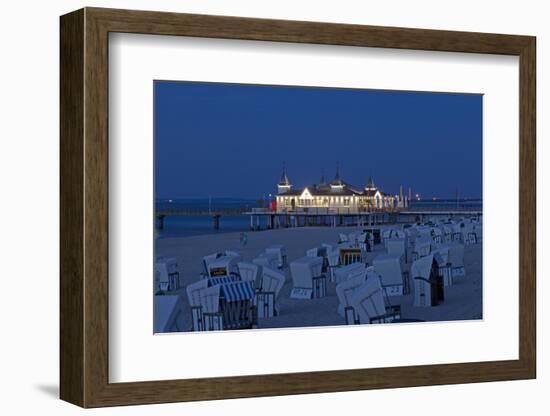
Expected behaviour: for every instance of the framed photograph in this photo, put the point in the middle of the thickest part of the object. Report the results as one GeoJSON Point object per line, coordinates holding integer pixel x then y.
{"type": "Point", "coordinates": [255, 207]}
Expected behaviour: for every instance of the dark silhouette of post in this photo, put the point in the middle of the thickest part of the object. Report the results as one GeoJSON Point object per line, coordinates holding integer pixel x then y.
{"type": "Point", "coordinates": [216, 221]}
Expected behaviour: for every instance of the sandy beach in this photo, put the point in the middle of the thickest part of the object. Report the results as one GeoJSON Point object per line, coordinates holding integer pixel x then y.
{"type": "Point", "coordinates": [462, 301]}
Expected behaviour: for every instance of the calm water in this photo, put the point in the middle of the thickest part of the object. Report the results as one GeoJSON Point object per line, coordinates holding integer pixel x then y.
{"type": "Point", "coordinates": [175, 226]}
{"type": "Point", "coordinates": [190, 225]}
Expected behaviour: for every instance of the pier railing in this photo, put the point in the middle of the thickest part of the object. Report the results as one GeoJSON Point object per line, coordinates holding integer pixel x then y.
{"type": "Point", "coordinates": [327, 211]}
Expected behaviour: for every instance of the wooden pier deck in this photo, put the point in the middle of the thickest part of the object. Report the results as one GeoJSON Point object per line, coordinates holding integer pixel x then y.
{"type": "Point", "coordinates": [342, 217]}
{"type": "Point", "coordinates": [161, 214]}
{"type": "Point", "coordinates": [261, 218]}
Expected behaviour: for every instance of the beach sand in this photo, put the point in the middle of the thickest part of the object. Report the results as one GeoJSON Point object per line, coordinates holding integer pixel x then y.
{"type": "Point", "coordinates": [463, 300]}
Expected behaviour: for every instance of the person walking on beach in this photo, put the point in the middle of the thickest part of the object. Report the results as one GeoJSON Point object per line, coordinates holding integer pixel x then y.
{"type": "Point", "coordinates": [243, 239]}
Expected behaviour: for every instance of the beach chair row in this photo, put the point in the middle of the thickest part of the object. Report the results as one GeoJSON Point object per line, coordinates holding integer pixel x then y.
{"type": "Point", "coordinates": [235, 300]}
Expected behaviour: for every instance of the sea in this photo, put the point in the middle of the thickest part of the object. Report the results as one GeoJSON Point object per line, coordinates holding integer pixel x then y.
{"type": "Point", "coordinates": [201, 223]}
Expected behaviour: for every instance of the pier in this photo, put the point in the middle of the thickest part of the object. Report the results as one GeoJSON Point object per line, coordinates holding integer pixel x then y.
{"type": "Point", "coordinates": [342, 217]}
{"type": "Point", "coordinates": [263, 218]}
{"type": "Point", "coordinates": [161, 214]}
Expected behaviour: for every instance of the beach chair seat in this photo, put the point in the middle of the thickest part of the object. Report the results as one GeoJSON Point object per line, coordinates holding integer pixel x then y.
{"type": "Point", "coordinates": [280, 251]}
{"type": "Point", "coordinates": [344, 273]}
{"type": "Point", "coordinates": [393, 234]}
{"type": "Point", "coordinates": [333, 259]}
{"type": "Point", "coordinates": [237, 305]}
{"type": "Point", "coordinates": [211, 313]}
{"type": "Point", "coordinates": [206, 261]}
{"type": "Point", "coordinates": [457, 236]}
{"type": "Point", "coordinates": [377, 236]}
{"type": "Point", "coordinates": [344, 292]}
{"type": "Point", "coordinates": [470, 238]}
{"type": "Point", "coordinates": [160, 286]}
{"type": "Point", "coordinates": [423, 246]}
{"type": "Point", "coordinates": [390, 269]}
{"type": "Point", "coordinates": [399, 234]}
{"type": "Point", "coordinates": [398, 247]}
{"type": "Point", "coordinates": [370, 303]}
{"type": "Point", "coordinates": [249, 272]}
{"type": "Point", "coordinates": [386, 235]}
{"type": "Point", "coordinates": [163, 281]}
{"type": "Point", "coordinates": [357, 238]}
{"type": "Point", "coordinates": [167, 274]}
{"type": "Point", "coordinates": [411, 233]}
{"type": "Point", "coordinates": [267, 260]}
{"type": "Point", "coordinates": [221, 264]}
{"type": "Point", "coordinates": [194, 297]}
{"type": "Point", "coordinates": [446, 274]}
{"type": "Point", "coordinates": [328, 247]}
{"type": "Point", "coordinates": [343, 238]}
{"type": "Point", "coordinates": [303, 271]}
{"type": "Point", "coordinates": [265, 304]}
{"type": "Point", "coordinates": [266, 297]}
{"type": "Point", "coordinates": [428, 282]}
{"type": "Point", "coordinates": [364, 242]}
{"type": "Point", "coordinates": [319, 286]}
{"type": "Point", "coordinates": [312, 252]}
{"type": "Point", "coordinates": [456, 258]}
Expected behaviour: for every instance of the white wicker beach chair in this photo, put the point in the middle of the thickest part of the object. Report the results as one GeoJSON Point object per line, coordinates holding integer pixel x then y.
{"type": "Point", "coordinates": [211, 314]}
{"type": "Point", "coordinates": [333, 258]}
{"type": "Point", "coordinates": [456, 258]}
{"type": "Point", "coordinates": [445, 266]}
{"type": "Point", "coordinates": [220, 264]}
{"type": "Point", "coordinates": [428, 284]}
{"type": "Point", "coordinates": [328, 247]}
{"type": "Point", "coordinates": [170, 267]}
{"type": "Point", "coordinates": [389, 267]}
{"type": "Point", "coordinates": [194, 296]}
{"type": "Point", "coordinates": [272, 282]}
{"type": "Point", "coordinates": [304, 269]}
{"type": "Point", "coordinates": [267, 260]}
{"type": "Point", "coordinates": [369, 303]}
{"type": "Point", "coordinates": [163, 279]}
{"type": "Point", "coordinates": [312, 252]}
{"type": "Point", "coordinates": [249, 272]}
{"type": "Point", "coordinates": [422, 246]}
{"type": "Point", "coordinates": [343, 273]}
{"type": "Point", "coordinates": [398, 247]}
{"type": "Point", "coordinates": [280, 251]}
{"type": "Point", "coordinates": [363, 242]}
{"type": "Point", "coordinates": [469, 235]}
{"type": "Point", "coordinates": [344, 291]}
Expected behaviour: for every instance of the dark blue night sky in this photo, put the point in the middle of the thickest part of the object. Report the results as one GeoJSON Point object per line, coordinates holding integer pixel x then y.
{"type": "Point", "coordinates": [231, 140]}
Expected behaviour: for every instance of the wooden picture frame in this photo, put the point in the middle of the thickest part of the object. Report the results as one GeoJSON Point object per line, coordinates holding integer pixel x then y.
{"type": "Point", "coordinates": [84, 207]}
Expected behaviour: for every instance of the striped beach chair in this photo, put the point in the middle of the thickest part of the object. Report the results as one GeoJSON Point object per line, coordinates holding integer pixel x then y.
{"type": "Point", "coordinates": [236, 303]}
